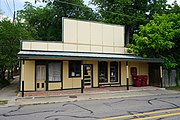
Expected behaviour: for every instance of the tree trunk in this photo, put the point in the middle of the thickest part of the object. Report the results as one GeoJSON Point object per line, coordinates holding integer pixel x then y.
{"type": "Point", "coordinates": [12, 74]}
{"type": "Point", "coordinates": [8, 75]}
{"type": "Point", "coordinates": [3, 74]}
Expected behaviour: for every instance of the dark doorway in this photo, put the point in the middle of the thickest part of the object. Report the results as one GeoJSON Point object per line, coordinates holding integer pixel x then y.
{"type": "Point", "coordinates": [154, 74]}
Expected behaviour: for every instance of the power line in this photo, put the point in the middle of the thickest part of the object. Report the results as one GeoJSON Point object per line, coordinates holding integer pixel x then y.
{"type": "Point", "coordinates": [8, 6]}
{"type": "Point", "coordinates": [103, 11]}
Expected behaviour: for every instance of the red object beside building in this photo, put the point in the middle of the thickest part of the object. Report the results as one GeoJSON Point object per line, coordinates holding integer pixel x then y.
{"type": "Point", "coordinates": [138, 80]}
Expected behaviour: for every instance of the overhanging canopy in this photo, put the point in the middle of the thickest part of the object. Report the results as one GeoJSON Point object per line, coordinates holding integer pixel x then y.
{"type": "Point", "coordinates": [83, 56]}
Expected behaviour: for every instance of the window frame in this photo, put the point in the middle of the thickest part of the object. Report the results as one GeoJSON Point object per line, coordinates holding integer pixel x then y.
{"type": "Point", "coordinates": [73, 68]}
{"type": "Point", "coordinates": [60, 68]}
{"type": "Point", "coordinates": [105, 69]}
{"type": "Point", "coordinates": [115, 64]}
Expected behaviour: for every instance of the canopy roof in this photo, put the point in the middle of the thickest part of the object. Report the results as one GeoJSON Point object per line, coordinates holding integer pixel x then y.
{"type": "Point", "coordinates": [83, 56]}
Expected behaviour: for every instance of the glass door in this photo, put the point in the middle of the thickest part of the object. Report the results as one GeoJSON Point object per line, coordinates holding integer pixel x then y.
{"type": "Point", "coordinates": [40, 77]}
{"type": "Point", "coordinates": [87, 75]}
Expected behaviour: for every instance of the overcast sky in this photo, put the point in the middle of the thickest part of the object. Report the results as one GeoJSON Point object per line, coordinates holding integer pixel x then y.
{"type": "Point", "coordinates": [7, 5]}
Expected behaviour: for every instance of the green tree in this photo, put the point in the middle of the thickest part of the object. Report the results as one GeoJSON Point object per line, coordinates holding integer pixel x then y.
{"type": "Point", "coordinates": [46, 22]}
{"type": "Point", "coordinates": [130, 13]}
{"type": "Point", "coordinates": [10, 36]}
{"type": "Point", "coordinates": [174, 8]}
{"type": "Point", "coordinates": [160, 39]}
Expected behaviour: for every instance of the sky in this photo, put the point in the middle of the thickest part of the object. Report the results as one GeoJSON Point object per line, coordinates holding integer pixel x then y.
{"type": "Point", "coordinates": [7, 6]}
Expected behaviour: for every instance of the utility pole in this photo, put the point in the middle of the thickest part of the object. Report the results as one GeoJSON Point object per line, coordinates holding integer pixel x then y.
{"type": "Point", "coordinates": [14, 13]}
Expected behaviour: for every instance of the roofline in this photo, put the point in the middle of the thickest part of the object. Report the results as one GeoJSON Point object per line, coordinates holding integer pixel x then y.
{"type": "Point", "coordinates": [136, 58]}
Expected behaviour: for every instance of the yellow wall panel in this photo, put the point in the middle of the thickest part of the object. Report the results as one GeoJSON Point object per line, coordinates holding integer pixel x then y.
{"type": "Point", "coordinates": [29, 75]}
{"type": "Point", "coordinates": [67, 82]}
{"type": "Point", "coordinates": [54, 86]}
{"type": "Point", "coordinates": [76, 82]}
{"type": "Point", "coordinates": [123, 73]}
{"type": "Point", "coordinates": [22, 72]}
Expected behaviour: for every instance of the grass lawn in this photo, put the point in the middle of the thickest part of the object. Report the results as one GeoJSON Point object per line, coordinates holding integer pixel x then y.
{"type": "Point", "coordinates": [2, 102]}
{"type": "Point", "coordinates": [174, 88]}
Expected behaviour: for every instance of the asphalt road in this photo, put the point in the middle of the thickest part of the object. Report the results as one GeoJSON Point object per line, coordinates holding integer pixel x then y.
{"type": "Point", "coordinates": [166, 107]}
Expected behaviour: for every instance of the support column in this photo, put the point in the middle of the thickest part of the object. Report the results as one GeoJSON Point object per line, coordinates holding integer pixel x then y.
{"type": "Point", "coordinates": [127, 75]}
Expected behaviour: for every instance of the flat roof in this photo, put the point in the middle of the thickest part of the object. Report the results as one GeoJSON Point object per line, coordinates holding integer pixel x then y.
{"type": "Point", "coordinates": [84, 56]}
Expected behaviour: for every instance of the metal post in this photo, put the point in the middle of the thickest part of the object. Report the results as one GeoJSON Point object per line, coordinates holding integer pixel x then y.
{"type": "Point", "coordinates": [127, 79]}
{"type": "Point", "coordinates": [161, 83]}
{"type": "Point", "coordinates": [82, 86]}
{"type": "Point", "coordinates": [22, 88]}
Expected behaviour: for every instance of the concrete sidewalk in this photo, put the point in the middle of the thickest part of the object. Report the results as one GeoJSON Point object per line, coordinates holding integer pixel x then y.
{"type": "Point", "coordinates": [92, 96]}
{"type": "Point", "coordinates": [9, 93]}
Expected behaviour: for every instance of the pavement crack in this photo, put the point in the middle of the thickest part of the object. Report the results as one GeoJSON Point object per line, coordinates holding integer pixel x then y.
{"type": "Point", "coordinates": [73, 116]}
{"type": "Point", "coordinates": [109, 104]}
{"type": "Point", "coordinates": [173, 104]}
{"type": "Point", "coordinates": [15, 109]}
{"type": "Point", "coordinates": [10, 115]}
{"type": "Point", "coordinates": [79, 107]}
{"type": "Point", "coordinates": [150, 100]}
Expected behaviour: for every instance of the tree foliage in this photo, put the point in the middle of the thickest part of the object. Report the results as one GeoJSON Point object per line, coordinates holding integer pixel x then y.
{"type": "Point", "coordinates": [10, 36]}
{"type": "Point", "coordinates": [130, 13]}
{"type": "Point", "coordinates": [46, 22]}
{"type": "Point", "coordinates": [159, 38]}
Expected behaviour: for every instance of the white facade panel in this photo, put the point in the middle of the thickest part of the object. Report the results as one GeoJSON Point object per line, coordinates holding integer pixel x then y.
{"type": "Point", "coordinates": [55, 47]}
{"type": "Point", "coordinates": [84, 36]}
{"type": "Point", "coordinates": [39, 46]}
{"type": "Point", "coordinates": [96, 49]}
{"type": "Point", "coordinates": [26, 45]}
{"type": "Point", "coordinates": [70, 47]}
{"type": "Point", "coordinates": [118, 39]}
{"type": "Point", "coordinates": [108, 35]}
{"type": "Point", "coordinates": [84, 48]}
{"type": "Point", "coordinates": [108, 50]}
{"type": "Point", "coordinates": [83, 32]}
{"type": "Point", "coordinates": [96, 34]}
{"type": "Point", "coordinates": [119, 50]}
{"type": "Point", "coordinates": [70, 31]}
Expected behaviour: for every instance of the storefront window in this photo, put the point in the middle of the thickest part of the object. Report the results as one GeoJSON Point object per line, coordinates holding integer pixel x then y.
{"type": "Point", "coordinates": [74, 68]}
{"type": "Point", "coordinates": [54, 70]}
{"type": "Point", "coordinates": [103, 71]}
{"type": "Point", "coordinates": [113, 72]}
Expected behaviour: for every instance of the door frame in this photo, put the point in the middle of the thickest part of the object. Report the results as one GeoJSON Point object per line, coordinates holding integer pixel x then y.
{"type": "Point", "coordinates": [45, 81]}
{"type": "Point", "coordinates": [91, 73]}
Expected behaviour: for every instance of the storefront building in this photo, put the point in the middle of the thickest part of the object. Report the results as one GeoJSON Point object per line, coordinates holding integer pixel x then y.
{"type": "Point", "coordinates": [90, 51]}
